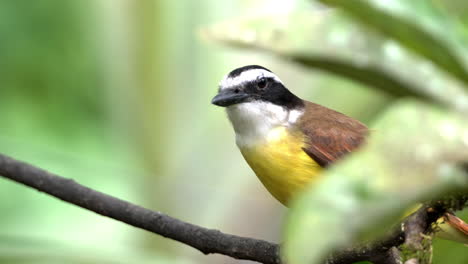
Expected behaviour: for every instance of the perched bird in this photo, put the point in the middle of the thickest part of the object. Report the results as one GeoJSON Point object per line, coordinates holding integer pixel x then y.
{"type": "Point", "coordinates": [287, 141]}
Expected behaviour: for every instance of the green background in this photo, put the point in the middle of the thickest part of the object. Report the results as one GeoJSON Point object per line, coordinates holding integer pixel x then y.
{"type": "Point", "coordinates": [116, 95]}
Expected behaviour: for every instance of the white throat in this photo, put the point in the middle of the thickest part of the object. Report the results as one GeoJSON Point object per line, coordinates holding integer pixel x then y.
{"type": "Point", "coordinates": [252, 121]}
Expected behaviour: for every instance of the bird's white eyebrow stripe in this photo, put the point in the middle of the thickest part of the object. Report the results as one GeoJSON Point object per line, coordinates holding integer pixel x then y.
{"type": "Point", "coordinates": [246, 76]}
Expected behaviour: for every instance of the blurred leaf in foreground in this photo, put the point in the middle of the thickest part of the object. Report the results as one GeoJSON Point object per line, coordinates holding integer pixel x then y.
{"type": "Point", "coordinates": [458, 11]}
{"type": "Point", "coordinates": [423, 33]}
{"type": "Point", "coordinates": [328, 41]}
{"type": "Point", "coordinates": [410, 156]}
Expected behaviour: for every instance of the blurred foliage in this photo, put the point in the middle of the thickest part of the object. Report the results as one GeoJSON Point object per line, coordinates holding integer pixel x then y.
{"type": "Point", "coordinates": [361, 202]}
{"type": "Point", "coordinates": [115, 94]}
{"type": "Point", "coordinates": [44, 61]}
{"type": "Point", "coordinates": [403, 48]}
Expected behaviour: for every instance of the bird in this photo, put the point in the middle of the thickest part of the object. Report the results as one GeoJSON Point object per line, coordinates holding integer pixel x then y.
{"type": "Point", "coordinates": [288, 141]}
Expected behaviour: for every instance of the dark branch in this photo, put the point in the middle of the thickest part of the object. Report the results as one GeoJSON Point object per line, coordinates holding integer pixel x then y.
{"type": "Point", "coordinates": [384, 251]}
{"type": "Point", "coordinates": [415, 226]}
{"type": "Point", "coordinates": [378, 252]}
{"type": "Point", "coordinates": [206, 240]}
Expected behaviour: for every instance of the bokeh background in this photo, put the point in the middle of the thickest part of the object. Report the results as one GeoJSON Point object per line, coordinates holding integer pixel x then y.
{"type": "Point", "coordinates": [116, 95]}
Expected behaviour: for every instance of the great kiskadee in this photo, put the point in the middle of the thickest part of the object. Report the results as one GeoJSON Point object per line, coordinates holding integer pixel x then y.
{"type": "Point", "coordinates": [287, 141]}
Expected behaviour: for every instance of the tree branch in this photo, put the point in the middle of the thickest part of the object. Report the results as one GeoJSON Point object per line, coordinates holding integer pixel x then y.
{"type": "Point", "coordinates": [206, 240]}
{"type": "Point", "coordinates": [378, 252]}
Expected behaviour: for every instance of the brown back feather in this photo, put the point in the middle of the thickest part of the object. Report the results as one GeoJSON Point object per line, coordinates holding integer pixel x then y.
{"type": "Point", "coordinates": [330, 134]}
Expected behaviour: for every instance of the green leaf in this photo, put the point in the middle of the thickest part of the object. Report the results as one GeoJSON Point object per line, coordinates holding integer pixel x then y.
{"type": "Point", "coordinates": [327, 41]}
{"type": "Point", "coordinates": [367, 75]}
{"type": "Point", "coordinates": [457, 10]}
{"type": "Point", "coordinates": [448, 250]}
{"type": "Point", "coordinates": [406, 32]}
{"type": "Point", "coordinates": [410, 156]}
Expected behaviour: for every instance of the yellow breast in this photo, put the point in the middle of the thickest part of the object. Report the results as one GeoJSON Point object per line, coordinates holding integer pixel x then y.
{"type": "Point", "coordinates": [281, 164]}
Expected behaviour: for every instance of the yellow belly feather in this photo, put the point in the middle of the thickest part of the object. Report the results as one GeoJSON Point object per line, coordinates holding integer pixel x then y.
{"type": "Point", "coordinates": [281, 164]}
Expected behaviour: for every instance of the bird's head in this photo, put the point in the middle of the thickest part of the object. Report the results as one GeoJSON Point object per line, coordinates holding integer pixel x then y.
{"type": "Point", "coordinates": [254, 83]}
{"type": "Point", "coordinates": [256, 101]}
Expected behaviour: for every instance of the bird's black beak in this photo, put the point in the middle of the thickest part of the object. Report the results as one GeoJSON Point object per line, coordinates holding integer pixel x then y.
{"type": "Point", "coordinates": [229, 97]}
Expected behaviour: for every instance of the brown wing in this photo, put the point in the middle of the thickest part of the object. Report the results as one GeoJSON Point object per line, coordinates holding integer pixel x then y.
{"type": "Point", "coordinates": [330, 134]}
